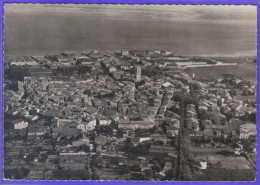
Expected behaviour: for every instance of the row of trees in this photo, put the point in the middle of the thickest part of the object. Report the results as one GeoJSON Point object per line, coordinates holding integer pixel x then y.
{"type": "Point", "coordinates": [140, 149]}
{"type": "Point", "coordinates": [60, 174]}
{"type": "Point", "coordinates": [68, 71]}
{"type": "Point", "coordinates": [16, 73]}
{"type": "Point", "coordinates": [183, 171]}
{"type": "Point", "coordinates": [16, 173]}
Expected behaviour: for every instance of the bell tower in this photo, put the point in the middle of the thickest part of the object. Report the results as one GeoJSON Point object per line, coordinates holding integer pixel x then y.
{"type": "Point", "coordinates": [138, 74]}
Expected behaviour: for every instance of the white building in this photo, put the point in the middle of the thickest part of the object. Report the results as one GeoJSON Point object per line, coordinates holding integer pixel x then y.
{"type": "Point", "coordinates": [91, 125]}
{"type": "Point", "coordinates": [20, 124]}
{"type": "Point", "coordinates": [104, 122]}
{"type": "Point", "coordinates": [82, 126]}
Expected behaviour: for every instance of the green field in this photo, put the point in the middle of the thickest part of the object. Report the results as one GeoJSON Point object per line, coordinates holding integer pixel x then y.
{"type": "Point", "coordinates": [218, 71]}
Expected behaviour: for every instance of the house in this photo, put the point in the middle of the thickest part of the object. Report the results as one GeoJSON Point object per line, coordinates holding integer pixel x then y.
{"type": "Point", "coordinates": [127, 124]}
{"type": "Point", "coordinates": [81, 142]}
{"type": "Point", "coordinates": [64, 122]}
{"type": "Point", "coordinates": [167, 84]}
{"type": "Point", "coordinates": [104, 122]}
{"type": "Point", "coordinates": [159, 138]}
{"type": "Point", "coordinates": [212, 127]}
{"type": "Point", "coordinates": [51, 113]}
{"type": "Point", "coordinates": [91, 125]}
{"type": "Point", "coordinates": [82, 59]}
{"type": "Point", "coordinates": [224, 109]}
{"type": "Point", "coordinates": [161, 150]}
{"type": "Point", "coordinates": [202, 106]}
{"type": "Point", "coordinates": [115, 117]}
{"type": "Point", "coordinates": [100, 140]}
{"type": "Point", "coordinates": [236, 107]}
{"type": "Point", "coordinates": [210, 150]}
{"type": "Point", "coordinates": [172, 131]}
{"type": "Point", "coordinates": [36, 130]}
{"type": "Point", "coordinates": [234, 135]}
{"type": "Point", "coordinates": [196, 134]}
{"type": "Point", "coordinates": [134, 140]}
{"type": "Point", "coordinates": [239, 114]}
{"type": "Point", "coordinates": [112, 69]}
{"type": "Point", "coordinates": [73, 161]}
{"type": "Point", "coordinates": [125, 53]}
{"type": "Point", "coordinates": [70, 131]}
{"type": "Point", "coordinates": [226, 132]}
{"type": "Point", "coordinates": [20, 124]}
{"type": "Point", "coordinates": [246, 130]}
{"type": "Point", "coordinates": [243, 133]}
{"type": "Point", "coordinates": [82, 126]}
{"type": "Point", "coordinates": [218, 133]}
{"type": "Point", "coordinates": [39, 71]}
{"type": "Point", "coordinates": [192, 124]}
{"type": "Point", "coordinates": [55, 131]}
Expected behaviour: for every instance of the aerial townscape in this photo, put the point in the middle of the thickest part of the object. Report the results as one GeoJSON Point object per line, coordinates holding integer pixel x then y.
{"type": "Point", "coordinates": [129, 115]}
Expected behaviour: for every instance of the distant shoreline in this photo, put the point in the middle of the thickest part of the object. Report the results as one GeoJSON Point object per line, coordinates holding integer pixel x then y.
{"type": "Point", "coordinates": [60, 51]}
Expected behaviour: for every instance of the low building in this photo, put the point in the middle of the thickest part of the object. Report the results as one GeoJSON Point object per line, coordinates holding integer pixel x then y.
{"type": "Point", "coordinates": [246, 130]}
{"type": "Point", "coordinates": [163, 151]}
{"type": "Point", "coordinates": [132, 125]}
{"type": "Point", "coordinates": [37, 130]}
{"type": "Point", "coordinates": [104, 122]}
{"type": "Point", "coordinates": [70, 131]}
{"type": "Point", "coordinates": [20, 124]}
{"type": "Point", "coordinates": [39, 71]}
{"type": "Point", "coordinates": [82, 126]}
{"type": "Point", "coordinates": [73, 160]}
{"type": "Point", "coordinates": [100, 140]}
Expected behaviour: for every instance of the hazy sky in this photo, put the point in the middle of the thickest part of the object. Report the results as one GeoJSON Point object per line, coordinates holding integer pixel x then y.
{"type": "Point", "coordinates": [185, 29]}
{"type": "Point", "coordinates": [182, 12]}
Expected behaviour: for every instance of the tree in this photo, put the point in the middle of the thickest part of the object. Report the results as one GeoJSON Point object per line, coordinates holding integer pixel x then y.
{"type": "Point", "coordinates": [203, 115]}
{"type": "Point", "coordinates": [169, 174]}
{"type": "Point", "coordinates": [159, 143]}
{"type": "Point", "coordinates": [120, 133]}
{"type": "Point", "coordinates": [137, 176]}
{"type": "Point", "coordinates": [177, 97]}
{"type": "Point", "coordinates": [219, 102]}
{"type": "Point", "coordinates": [124, 169]}
{"type": "Point", "coordinates": [246, 145]}
{"type": "Point", "coordinates": [47, 66]}
{"type": "Point", "coordinates": [16, 173]}
{"type": "Point", "coordinates": [252, 117]}
{"type": "Point", "coordinates": [16, 73]}
{"type": "Point", "coordinates": [233, 92]}
{"type": "Point", "coordinates": [84, 148]}
{"type": "Point", "coordinates": [87, 92]}
{"type": "Point", "coordinates": [151, 102]}
{"type": "Point", "coordinates": [95, 175]}
{"type": "Point", "coordinates": [186, 172]}
{"type": "Point", "coordinates": [105, 129]}
{"type": "Point", "coordinates": [143, 148]}
{"type": "Point", "coordinates": [230, 114]}
{"type": "Point", "coordinates": [138, 84]}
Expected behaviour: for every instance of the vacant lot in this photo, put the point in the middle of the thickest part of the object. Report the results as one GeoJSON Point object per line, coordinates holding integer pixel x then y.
{"type": "Point", "coordinates": [218, 71]}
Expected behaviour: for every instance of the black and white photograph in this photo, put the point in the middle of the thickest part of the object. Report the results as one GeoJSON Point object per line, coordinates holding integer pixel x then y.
{"type": "Point", "coordinates": [130, 92]}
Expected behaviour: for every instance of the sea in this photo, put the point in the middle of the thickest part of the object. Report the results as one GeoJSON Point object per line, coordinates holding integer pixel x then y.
{"type": "Point", "coordinates": [53, 32]}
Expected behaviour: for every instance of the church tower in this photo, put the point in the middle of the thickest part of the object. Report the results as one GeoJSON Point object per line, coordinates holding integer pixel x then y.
{"type": "Point", "coordinates": [138, 74]}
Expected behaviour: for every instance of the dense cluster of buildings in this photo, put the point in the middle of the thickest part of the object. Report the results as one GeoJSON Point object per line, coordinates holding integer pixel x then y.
{"type": "Point", "coordinates": [118, 116]}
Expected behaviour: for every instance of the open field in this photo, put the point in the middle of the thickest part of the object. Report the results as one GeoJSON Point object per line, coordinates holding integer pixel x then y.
{"type": "Point", "coordinates": [218, 71]}
{"type": "Point", "coordinates": [249, 66]}
{"type": "Point", "coordinates": [239, 60]}
{"type": "Point", "coordinates": [225, 175]}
